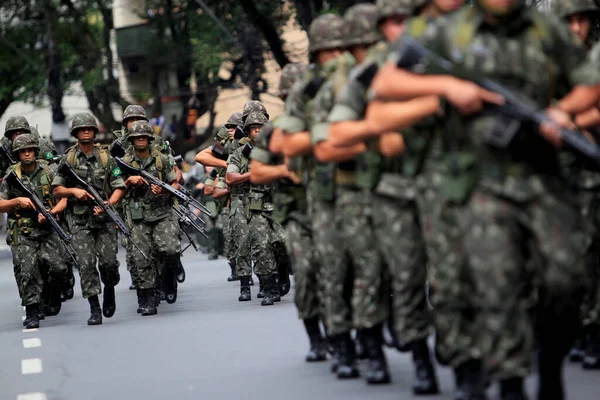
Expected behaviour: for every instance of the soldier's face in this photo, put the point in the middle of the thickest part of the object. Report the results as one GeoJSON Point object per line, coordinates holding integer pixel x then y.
{"type": "Point", "coordinates": [14, 134]}
{"type": "Point", "coordinates": [580, 25]}
{"type": "Point", "coordinates": [230, 131]}
{"type": "Point", "coordinates": [392, 27]}
{"type": "Point", "coordinates": [324, 56]}
{"type": "Point", "coordinates": [86, 134]}
{"type": "Point", "coordinates": [446, 6]}
{"type": "Point", "coordinates": [254, 130]}
{"type": "Point", "coordinates": [499, 7]}
{"type": "Point", "coordinates": [141, 142]}
{"type": "Point", "coordinates": [131, 120]}
{"type": "Point", "coordinates": [27, 156]}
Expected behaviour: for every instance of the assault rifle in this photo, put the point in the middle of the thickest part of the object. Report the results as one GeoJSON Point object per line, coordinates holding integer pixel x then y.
{"type": "Point", "coordinates": [7, 155]}
{"type": "Point", "coordinates": [184, 199]}
{"type": "Point", "coordinates": [65, 238]}
{"type": "Point", "coordinates": [66, 170]}
{"type": "Point", "coordinates": [186, 221]}
{"type": "Point", "coordinates": [512, 113]}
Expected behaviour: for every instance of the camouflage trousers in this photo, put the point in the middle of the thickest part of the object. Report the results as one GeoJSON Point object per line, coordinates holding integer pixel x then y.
{"type": "Point", "coordinates": [306, 268]}
{"type": "Point", "coordinates": [228, 243]}
{"type": "Point", "coordinates": [370, 296]}
{"type": "Point", "coordinates": [213, 231]}
{"type": "Point", "coordinates": [590, 208]}
{"type": "Point", "coordinates": [129, 259]}
{"type": "Point", "coordinates": [259, 244]}
{"type": "Point", "coordinates": [400, 241]}
{"type": "Point", "coordinates": [161, 242]}
{"type": "Point", "coordinates": [36, 259]}
{"type": "Point", "coordinates": [239, 232]}
{"type": "Point", "coordinates": [518, 255]}
{"type": "Point", "coordinates": [336, 270]}
{"type": "Point", "coordinates": [96, 245]}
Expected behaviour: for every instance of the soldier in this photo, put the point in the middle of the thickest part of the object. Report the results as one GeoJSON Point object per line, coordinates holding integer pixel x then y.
{"type": "Point", "coordinates": [508, 208]}
{"type": "Point", "coordinates": [251, 210]}
{"type": "Point", "coordinates": [392, 199]}
{"type": "Point", "coordinates": [254, 106]}
{"type": "Point", "coordinates": [149, 212]}
{"type": "Point", "coordinates": [582, 17]}
{"type": "Point", "coordinates": [214, 229]}
{"type": "Point", "coordinates": [36, 248]}
{"type": "Point", "coordinates": [326, 45]}
{"type": "Point", "coordinates": [94, 234]}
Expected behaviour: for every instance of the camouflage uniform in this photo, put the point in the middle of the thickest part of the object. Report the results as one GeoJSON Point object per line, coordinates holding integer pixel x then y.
{"type": "Point", "coordinates": [94, 238]}
{"type": "Point", "coordinates": [36, 248]}
{"type": "Point", "coordinates": [213, 229]}
{"type": "Point", "coordinates": [504, 211]}
{"type": "Point", "coordinates": [153, 225]}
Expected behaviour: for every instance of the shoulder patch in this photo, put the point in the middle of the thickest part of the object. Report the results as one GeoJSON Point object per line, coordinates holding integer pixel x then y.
{"type": "Point", "coordinates": [116, 172]}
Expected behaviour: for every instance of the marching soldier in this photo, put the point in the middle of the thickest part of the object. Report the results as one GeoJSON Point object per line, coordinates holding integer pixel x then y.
{"type": "Point", "coordinates": [94, 234]}
{"type": "Point", "coordinates": [37, 251]}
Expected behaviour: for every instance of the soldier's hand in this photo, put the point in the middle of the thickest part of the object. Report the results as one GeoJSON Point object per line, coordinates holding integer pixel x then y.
{"type": "Point", "coordinates": [41, 219]}
{"type": "Point", "coordinates": [551, 130]}
{"type": "Point", "coordinates": [136, 181]}
{"type": "Point", "coordinates": [81, 194]}
{"type": "Point", "coordinates": [24, 202]}
{"type": "Point", "coordinates": [469, 98]}
{"type": "Point", "coordinates": [292, 176]}
{"type": "Point", "coordinates": [157, 189]}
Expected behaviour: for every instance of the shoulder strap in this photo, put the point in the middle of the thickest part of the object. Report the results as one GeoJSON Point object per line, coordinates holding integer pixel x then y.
{"type": "Point", "coordinates": [71, 156]}
{"type": "Point", "coordinates": [465, 29]}
{"type": "Point", "coordinates": [18, 170]}
{"type": "Point", "coordinates": [103, 155]}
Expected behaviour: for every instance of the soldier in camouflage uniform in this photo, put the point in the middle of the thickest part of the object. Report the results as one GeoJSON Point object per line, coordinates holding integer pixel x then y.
{"type": "Point", "coordinates": [36, 248]}
{"type": "Point", "coordinates": [581, 15]}
{"type": "Point", "coordinates": [254, 106]}
{"type": "Point", "coordinates": [213, 225]}
{"type": "Point", "coordinates": [326, 46]}
{"type": "Point", "coordinates": [390, 211]}
{"type": "Point", "coordinates": [149, 213]}
{"type": "Point", "coordinates": [94, 234]}
{"type": "Point", "coordinates": [514, 222]}
{"type": "Point", "coordinates": [253, 206]}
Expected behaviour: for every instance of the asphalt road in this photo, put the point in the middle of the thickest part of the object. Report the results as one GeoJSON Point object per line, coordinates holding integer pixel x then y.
{"type": "Point", "coordinates": [205, 346]}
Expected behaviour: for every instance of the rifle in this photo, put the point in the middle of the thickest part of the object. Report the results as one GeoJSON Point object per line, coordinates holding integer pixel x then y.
{"type": "Point", "coordinates": [7, 155]}
{"type": "Point", "coordinates": [66, 170]}
{"type": "Point", "coordinates": [186, 221]}
{"type": "Point", "coordinates": [65, 238]}
{"type": "Point", "coordinates": [514, 111]}
{"type": "Point", "coordinates": [183, 198]}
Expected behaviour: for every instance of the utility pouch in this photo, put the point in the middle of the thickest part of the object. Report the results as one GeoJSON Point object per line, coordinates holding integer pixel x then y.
{"type": "Point", "coordinates": [461, 178]}
{"type": "Point", "coordinates": [367, 171]}
{"type": "Point", "coordinates": [136, 210]}
{"type": "Point", "coordinates": [257, 201]}
{"type": "Point", "coordinates": [25, 226]}
{"type": "Point", "coordinates": [324, 182]}
{"type": "Point", "coordinates": [13, 234]}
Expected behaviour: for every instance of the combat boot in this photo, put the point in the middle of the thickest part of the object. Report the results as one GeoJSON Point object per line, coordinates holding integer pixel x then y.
{"type": "Point", "coordinates": [245, 289]}
{"type": "Point", "coordinates": [148, 301]}
{"type": "Point", "coordinates": [28, 314]}
{"type": "Point", "coordinates": [268, 283]}
{"type": "Point", "coordinates": [425, 379]}
{"type": "Point", "coordinates": [377, 371]}
{"type": "Point", "coordinates": [275, 289]}
{"type": "Point", "coordinates": [470, 381]}
{"type": "Point", "coordinates": [591, 359]}
{"type": "Point", "coordinates": [261, 287]}
{"type": "Point", "coordinates": [95, 311]}
{"type": "Point", "coordinates": [54, 301]}
{"type": "Point", "coordinates": [170, 286]}
{"type": "Point", "coordinates": [317, 351]}
{"type": "Point", "coordinates": [180, 272]}
{"type": "Point", "coordinates": [109, 304]}
{"type": "Point", "coordinates": [140, 299]}
{"type": "Point", "coordinates": [233, 276]}
{"type": "Point", "coordinates": [359, 345]}
{"type": "Point", "coordinates": [512, 389]}
{"type": "Point", "coordinates": [344, 346]}
{"type": "Point", "coordinates": [32, 312]}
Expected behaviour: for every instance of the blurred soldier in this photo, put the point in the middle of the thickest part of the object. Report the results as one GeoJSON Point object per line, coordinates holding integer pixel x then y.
{"type": "Point", "coordinates": [94, 234]}
{"type": "Point", "coordinates": [36, 248]}
{"type": "Point", "coordinates": [213, 230]}
{"type": "Point", "coordinates": [149, 212]}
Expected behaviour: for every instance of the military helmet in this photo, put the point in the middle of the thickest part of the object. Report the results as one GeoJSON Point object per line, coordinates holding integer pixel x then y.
{"type": "Point", "coordinates": [290, 74]}
{"type": "Point", "coordinates": [141, 128]}
{"type": "Point", "coordinates": [518, 4]}
{"type": "Point", "coordinates": [26, 141]}
{"type": "Point", "coordinates": [360, 26]}
{"type": "Point", "coordinates": [254, 106]}
{"type": "Point", "coordinates": [392, 8]}
{"type": "Point", "coordinates": [255, 118]}
{"type": "Point", "coordinates": [132, 111]}
{"type": "Point", "coordinates": [565, 8]}
{"type": "Point", "coordinates": [234, 120]}
{"type": "Point", "coordinates": [325, 32]}
{"type": "Point", "coordinates": [16, 124]}
{"type": "Point", "coordinates": [83, 120]}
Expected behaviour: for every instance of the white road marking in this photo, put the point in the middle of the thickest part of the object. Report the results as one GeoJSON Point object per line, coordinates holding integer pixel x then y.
{"type": "Point", "coordinates": [31, 366]}
{"type": "Point", "coordinates": [30, 330]}
{"type": "Point", "coordinates": [31, 343]}
{"type": "Point", "coordinates": [32, 396]}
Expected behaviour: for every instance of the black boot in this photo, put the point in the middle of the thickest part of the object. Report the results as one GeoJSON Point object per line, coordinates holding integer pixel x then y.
{"type": "Point", "coordinates": [233, 276]}
{"type": "Point", "coordinates": [170, 286]}
{"type": "Point", "coordinates": [148, 305]}
{"type": "Point", "coordinates": [140, 299]}
{"type": "Point", "coordinates": [359, 345]}
{"type": "Point", "coordinates": [512, 389]}
{"type": "Point", "coordinates": [54, 301]}
{"type": "Point", "coordinates": [318, 344]}
{"type": "Point", "coordinates": [32, 312]}
{"type": "Point", "coordinates": [132, 286]}
{"type": "Point", "coordinates": [28, 315]}
{"type": "Point", "coordinates": [261, 287]}
{"type": "Point", "coordinates": [344, 346]}
{"type": "Point", "coordinates": [268, 282]}
{"type": "Point", "coordinates": [425, 379]}
{"type": "Point", "coordinates": [95, 311]}
{"type": "Point", "coordinates": [245, 289]}
{"type": "Point", "coordinates": [180, 272]}
{"type": "Point", "coordinates": [275, 289]}
{"type": "Point", "coordinates": [578, 351]}
{"type": "Point", "coordinates": [109, 304]}
{"type": "Point", "coordinates": [470, 381]}
{"type": "Point", "coordinates": [377, 371]}
{"type": "Point", "coordinates": [591, 359]}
